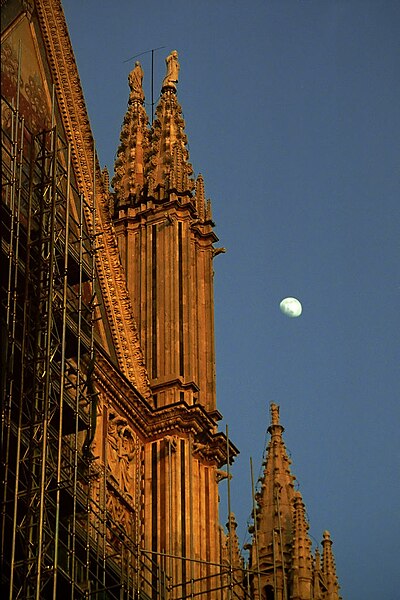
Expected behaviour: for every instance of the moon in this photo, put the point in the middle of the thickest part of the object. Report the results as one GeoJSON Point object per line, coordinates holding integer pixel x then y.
{"type": "Point", "coordinates": [291, 307]}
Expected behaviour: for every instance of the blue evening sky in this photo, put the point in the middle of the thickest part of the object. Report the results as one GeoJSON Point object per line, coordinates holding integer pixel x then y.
{"type": "Point", "coordinates": [292, 114]}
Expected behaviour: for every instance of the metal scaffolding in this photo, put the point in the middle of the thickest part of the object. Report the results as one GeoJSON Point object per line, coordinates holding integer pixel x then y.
{"type": "Point", "coordinates": [58, 540]}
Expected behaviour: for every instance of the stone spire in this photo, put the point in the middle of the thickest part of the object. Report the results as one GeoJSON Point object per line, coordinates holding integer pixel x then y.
{"type": "Point", "coordinates": [302, 575]}
{"type": "Point", "coordinates": [153, 163]}
{"type": "Point", "coordinates": [129, 178]}
{"type": "Point", "coordinates": [276, 496]}
{"type": "Point", "coordinates": [169, 169]}
{"type": "Point", "coordinates": [329, 569]}
{"type": "Point", "coordinates": [274, 515]}
{"type": "Point", "coordinates": [317, 576]}
{"type": "Point", "coordinates": [281, 547]}
{"type": "Point", "coordinates": [234, 559]}
{"type": "Point", "coordinates": [233, 541]}
{"type": "Point", "coordinates": [200, 198]}
{"type": "Point", "coordinates": [165, 237]}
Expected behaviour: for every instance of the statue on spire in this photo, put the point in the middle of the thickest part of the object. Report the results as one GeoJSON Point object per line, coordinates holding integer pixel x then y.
{"type": "Point", "coordinates": [172, 76]}
{"type": "Point", "coordinates": [135, 79]}
{"type": "Point", "coordinates": [274, 414]}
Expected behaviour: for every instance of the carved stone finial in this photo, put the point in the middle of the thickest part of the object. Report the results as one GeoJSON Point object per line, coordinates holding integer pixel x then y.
{"type": "Point", "coordinates": [172, 76]}
{"type": "Point", "coordinates": [327, 536]}
{"type": "Point", "coordinates": [135, 79]}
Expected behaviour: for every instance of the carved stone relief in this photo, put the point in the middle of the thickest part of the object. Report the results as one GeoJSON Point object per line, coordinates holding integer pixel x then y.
{"type": "Point", "coordinates": [120, 521]}
{"type": "Point", "coordinates": [121, 453]}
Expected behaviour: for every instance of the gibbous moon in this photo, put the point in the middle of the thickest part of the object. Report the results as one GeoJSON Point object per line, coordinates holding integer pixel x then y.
{"type": "Point", "coordinates": [291, 307]}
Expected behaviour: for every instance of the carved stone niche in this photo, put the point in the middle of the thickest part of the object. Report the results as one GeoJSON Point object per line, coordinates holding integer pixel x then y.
{"type": "Point", "coordinates": [121, 450]}
{"type": "Point", "coordinates": [120, 523]}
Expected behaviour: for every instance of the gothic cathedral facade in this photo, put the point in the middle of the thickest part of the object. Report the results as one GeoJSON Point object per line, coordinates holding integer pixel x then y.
{"type": "Point", "coordinates": [111, 447]}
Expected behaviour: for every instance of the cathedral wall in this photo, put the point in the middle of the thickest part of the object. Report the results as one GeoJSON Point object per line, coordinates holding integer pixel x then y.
{"type": "Point", "coordinates": [181, 504]}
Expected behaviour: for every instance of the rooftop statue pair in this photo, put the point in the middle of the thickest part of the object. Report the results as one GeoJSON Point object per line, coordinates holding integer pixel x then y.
{"type": "Point", "coordinates": [170, 80]}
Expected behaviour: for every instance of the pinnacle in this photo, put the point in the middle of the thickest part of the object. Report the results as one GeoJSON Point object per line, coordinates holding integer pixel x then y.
{"type": "Point", "coordinates": [153, 161]}
{"type": "Point", "coordinates": [129, 168]}
{"type": "Point", "coordinates": [329, 568]}
{"type": "Point", "coordinates": [276, 496]}
{"type": "Point", "coordinates": [282, 529]}
{"type": "Point", "coordinates": [169, 157]}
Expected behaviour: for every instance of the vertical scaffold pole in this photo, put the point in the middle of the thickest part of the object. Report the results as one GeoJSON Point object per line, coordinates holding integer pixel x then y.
{"type": "Point", "coordinates": [44, 466]}
{"type": "Point", "coordinates": [14, 137]}
{"type": "Point", "coordinates": [11, 307]}
{"type": "Point", "coordinates": [62, 369]}
{"type": "Point", "coordinates": [8, 388]}
{"type": "Point", "coordinates": [77, 396]}
{"type": "Point", "coordinates": [255, 529]}
{"type": "Point", "coordinates": [191, 517]}
{"type": "Point", "coordinates": [228, 460]}
{"type": "Point", "coordinates": [285, 594]}
{"type": "Point", "coordinates": [170, 559]}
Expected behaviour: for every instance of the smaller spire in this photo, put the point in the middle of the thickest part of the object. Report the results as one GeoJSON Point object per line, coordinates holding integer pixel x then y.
{"type": "Point", "coordinates": [233, 539]}
{"type": "Point", "coordinates": [106, 178]}
{"type": "Point", "coordinates": [179, 180]}
{"type": "Point", "coordinates": [301, 552]}
{"type": "Point", "coordinates": [109, 197]}
{"type": "Point", "coordinates": [275, 510]}
{"type": "Point", "coordinates": [200, 197]}
{"type": "Point", "coordinates": [233, 550]}
{"type": "Point", "coordinates": [129, 168]}
{"type": "Point", "coordinates": [282, 531]}
{"type": "Point", "coordinates": [209, 212]}
{"type": "Point", "coordinates": [317, 562]}
{"type": "Point", "coordinates": [169, 169]}
{"type": "Point", "coordinates": [317, 576]}
{"type": "Point", "coordinates": [277, 481]}
{"type": "Point", "coordinates": [329, 568]}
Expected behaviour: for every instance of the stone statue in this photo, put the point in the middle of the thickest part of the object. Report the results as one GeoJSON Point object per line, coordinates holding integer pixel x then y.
{"type": "Point", "coordinates": [121, 452]}
{"type": "Point", "coordinates": [274, 414]}
{"type": "Point", "coordinates": [135, 79]}
{"type": "Point", "coordinates": [127, 454]}
{"type": "Point", "coordinates": [113, 448]}
{"type": "Point", "coordinates": [172, 76]}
